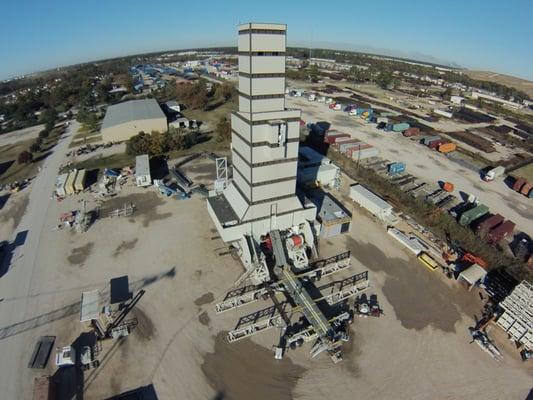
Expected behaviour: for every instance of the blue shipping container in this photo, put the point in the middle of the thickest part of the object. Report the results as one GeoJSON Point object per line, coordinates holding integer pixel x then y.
{"type": "Point", "coordinates": [396, 168]}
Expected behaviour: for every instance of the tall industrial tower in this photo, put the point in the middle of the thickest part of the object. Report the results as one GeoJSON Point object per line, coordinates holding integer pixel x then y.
{"type": "Point", "coordinates": [264, 144]}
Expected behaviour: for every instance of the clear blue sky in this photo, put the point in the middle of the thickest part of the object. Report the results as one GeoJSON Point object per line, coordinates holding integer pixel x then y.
{"type": "Point", "coordinates": [481, 34]}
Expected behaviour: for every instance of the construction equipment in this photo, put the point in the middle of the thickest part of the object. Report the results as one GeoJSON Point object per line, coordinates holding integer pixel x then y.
{"type": "Point", "coordinates": [88, 359]}
{"type": "Point", "coordinates": [368, 308]}
{"type": "Point", "coordinates": [288, 271]}
{"type": "Point", "coordinates": [482, 339]}
{"type": "Point", "coordinates": [125, 211]}
{"type": "Point", "coordinates": [65, 356]}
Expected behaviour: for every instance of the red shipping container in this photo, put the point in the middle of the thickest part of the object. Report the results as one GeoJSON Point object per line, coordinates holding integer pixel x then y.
{"type": "Point", "coordinates": [356, 148]}
{"type": "Point", "coordinates": [518, 184]}
{"type": "Point", "coordinates": [490, 223]}
{"type": "Point", "coordinates": [436, 143]}
{"type": "Point", "coordinates": [411, 132]}
{"type": "Point", "coordinates": [331, 138]}
{"type": "Point", "coordinates": [342, 139]}
{"type": "Point", "coordinates": [500, 232]}
{"type": "Point", "coordinates": [526, 188]}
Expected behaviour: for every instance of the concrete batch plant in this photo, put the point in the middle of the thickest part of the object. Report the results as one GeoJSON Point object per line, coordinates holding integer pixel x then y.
{"type": "Point", "coordinates": [265, 140]}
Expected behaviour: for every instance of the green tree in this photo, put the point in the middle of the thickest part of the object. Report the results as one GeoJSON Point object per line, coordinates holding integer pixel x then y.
{"type": "Point", "coordinates": [384, 79]}
{"type": "Point", "coordinates": [25, 157]}
{"type": "Point", "coordinates": [223, 130]}
{"type": "Point", "coordinates": [225, 91]}
{"type": "Point", "coordinates": [35, 147]}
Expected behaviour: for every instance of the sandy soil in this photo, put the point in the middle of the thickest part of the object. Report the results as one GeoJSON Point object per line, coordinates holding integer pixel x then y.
{"type": "Point", "coordinates": [419, 349]}
{"type": "Point", "coordinates": [426, 164]}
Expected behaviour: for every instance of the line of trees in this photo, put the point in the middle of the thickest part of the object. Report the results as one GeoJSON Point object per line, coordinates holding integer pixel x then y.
{"type": "Point", "coordinates": [155, 143]}
{"type": "Point", "coordinates": [439, 222]}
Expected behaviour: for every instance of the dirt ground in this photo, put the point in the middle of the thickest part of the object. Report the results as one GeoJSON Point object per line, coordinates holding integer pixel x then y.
{"type": "Point", "coordinates": [426, 164]}
{"type": "Point", "coordinates": [518, 83]}
{"type": "Point", "coordinates": [418, 350]}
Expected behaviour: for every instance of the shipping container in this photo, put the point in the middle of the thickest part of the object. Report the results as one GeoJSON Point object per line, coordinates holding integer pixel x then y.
{"type": "Point", "coordinates": [434, 144]}
{"type": "Point", "coordinates": [517, 186]}
{"type": "Point", "coordinates": [400, 127]}
{"type": "Point", "coordinates": [396, 168]}
{"type": "Point", "coordinates": [471, 215]}
{"type": "Point", "coordinates": [60, 185]}
{"type": "Point", "coordinates": [69, 184]}
{"type": "Point", "coordinates": [500, 232]}
{"type": "Point", "coordinates": [447, 147]}
{"type": "Point", "coordinates": [345, 145]}
{"type": "Point", "coordinates": [411, 132]}
{"type": "Point", "coordinates": [371, 202]}
{"type": "Point", "coordinates": [343, 139]}
{"type": "Point", "coordinates": [447, 187]}
{"type": "Point", "coordinates": [526, 188]}
{"type": "Point", "coordinates": [365, 153]}
{"type": "Point", "coordinates": [356, 147]}
{"type": "Point", "coordinates": [330, 139]}
{"type": "Point", "coordinates": [79, 182]}
{"type": "Point", "coordinates": [490, 223]}
{"type": "Point", "coordinates": [427, 139]}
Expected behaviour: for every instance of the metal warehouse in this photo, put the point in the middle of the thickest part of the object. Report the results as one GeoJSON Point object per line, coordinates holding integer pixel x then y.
{"type": "Point", "coordinates": [373, 203]}
{"type": "Point", "coordinates": [124, 120]}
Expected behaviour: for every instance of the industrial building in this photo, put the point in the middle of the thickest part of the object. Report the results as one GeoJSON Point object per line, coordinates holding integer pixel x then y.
{"type": "Point", "coordinates": [124, 120]}
{"type": "Point", "coordinates": [333, 219]}
{"type": "Point", "coordinates": [371, 202]}
{"type": "Point", "coordinates": [142, 171]}
{"type": "Point", "coordinates": [265, 141]}
{"type": "Point", "coordinates": [517, 317]}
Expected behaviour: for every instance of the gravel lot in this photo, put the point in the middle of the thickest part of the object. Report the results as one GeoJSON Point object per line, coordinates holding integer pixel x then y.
{"type": "Point", "coordinates": [428, 165]}
{"type": "Point", "coordinates": [418, 350]}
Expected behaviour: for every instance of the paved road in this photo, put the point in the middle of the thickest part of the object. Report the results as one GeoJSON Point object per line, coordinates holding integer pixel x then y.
{"type": "Point", "coordinates": [17, 282]}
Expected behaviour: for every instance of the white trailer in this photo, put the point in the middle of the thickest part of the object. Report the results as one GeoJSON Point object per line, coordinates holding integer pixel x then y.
{"type": "Point", "coordinates": [494, 173]}
{"type": "Point", "coordinates": [142, 171]}
{"type": "Point", "coordinates": [60, 185]}
{"type": "Point", "coordinates": [371, 202]}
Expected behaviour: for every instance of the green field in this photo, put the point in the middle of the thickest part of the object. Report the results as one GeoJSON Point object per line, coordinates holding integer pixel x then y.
{"type": "Point", "coordinates": [18, 172]}
{"type": "Point", "coordinates": [525, 172]}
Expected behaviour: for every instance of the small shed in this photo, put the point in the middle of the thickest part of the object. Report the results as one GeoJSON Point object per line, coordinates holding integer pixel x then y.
{"type": "Point", "coordinates": [142, 170]}
{"type": "Point", "coordinates": [473, 275]}
{"type": "Point", "coordinates": [333, 219]}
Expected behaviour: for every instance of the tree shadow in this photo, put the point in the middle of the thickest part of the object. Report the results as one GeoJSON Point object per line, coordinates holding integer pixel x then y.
{"type": "Point", "coordinates": [3, 199]}
{"type": "Point", "coordinates": [6, 256]}
{"type": "Point", "coordinates": [42, 157]}
{"type": "Point", "coordinates": [141, 393]}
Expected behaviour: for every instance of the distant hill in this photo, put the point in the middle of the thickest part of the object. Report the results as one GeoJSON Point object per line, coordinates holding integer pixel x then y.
{"type": "Point", "coordinates": [518, 83]}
